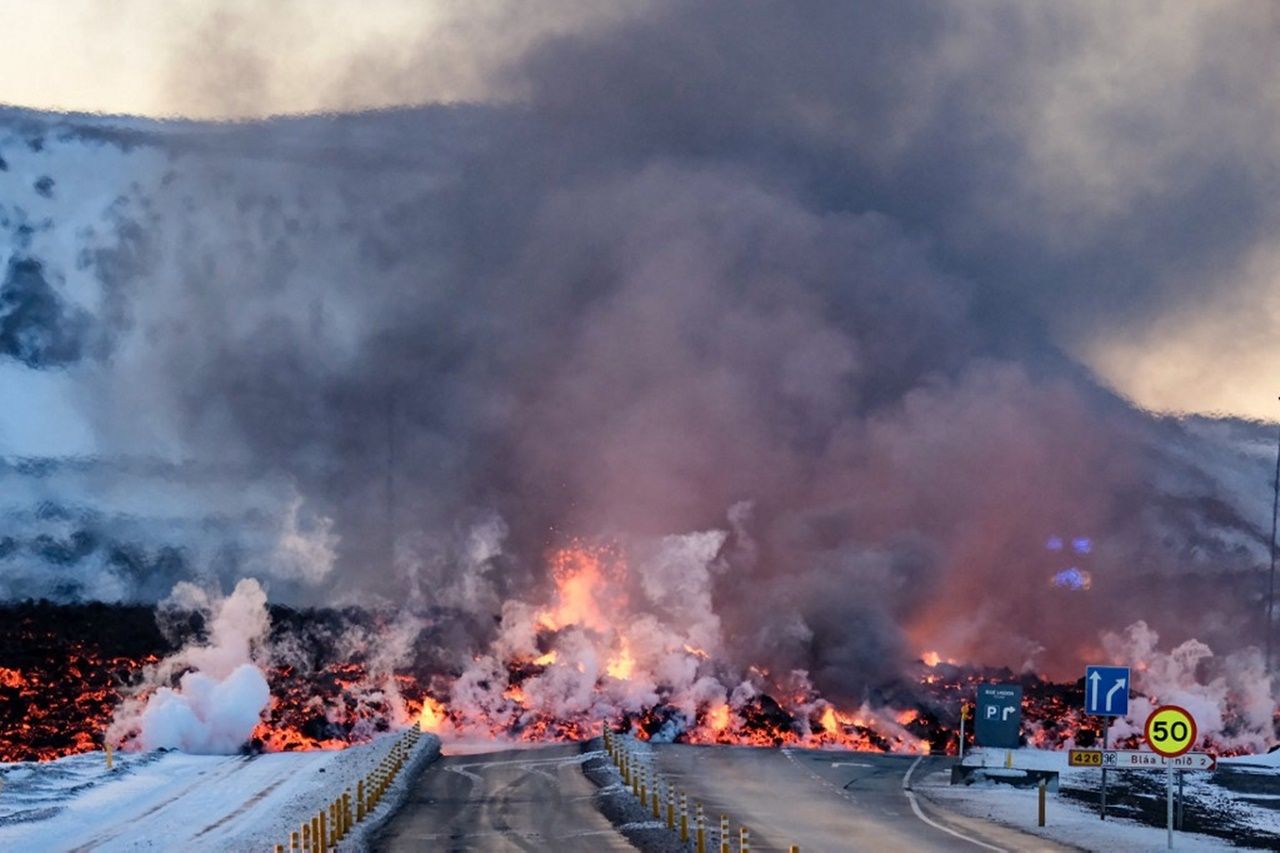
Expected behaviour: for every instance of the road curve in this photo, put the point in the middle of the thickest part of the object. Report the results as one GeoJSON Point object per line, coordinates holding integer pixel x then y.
{"type": "Point", "coordinates": [521, 799]}
{"type": "Point", "coordinates": [829, 801]}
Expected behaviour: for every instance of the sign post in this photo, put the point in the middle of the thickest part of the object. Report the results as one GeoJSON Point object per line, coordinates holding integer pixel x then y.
{"type": "Point", "coordinates": [1170, 732]}
{"type": "Point", "coordinates": [1106, 694]}
{"type": "Point", "coordinates": [1133, 759]}
{"type": "Point", "coordinates": [999, 719]}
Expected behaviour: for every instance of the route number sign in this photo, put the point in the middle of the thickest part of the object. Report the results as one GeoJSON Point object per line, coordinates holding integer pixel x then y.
{"type": "Point", "coordinates": [1130, 759]}
{"type": "Point", "coordinates": [1170, 731]}
{"type": "Point", "coordinates": [1084, 757]}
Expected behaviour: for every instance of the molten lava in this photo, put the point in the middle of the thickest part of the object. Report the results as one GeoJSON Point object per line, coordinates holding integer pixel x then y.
{"type": "Point", "coordinates": [559, 670]}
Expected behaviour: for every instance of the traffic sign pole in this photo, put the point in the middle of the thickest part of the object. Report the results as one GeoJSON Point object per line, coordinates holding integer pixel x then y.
{"type": "Point", "coordinates": [1168, 786]}
{"type": "Point", "coordinates": [1106, 744]}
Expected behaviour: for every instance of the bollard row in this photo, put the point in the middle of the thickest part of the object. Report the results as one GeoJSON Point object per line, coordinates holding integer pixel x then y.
{"type": "Point", "coordinates": [653, 790]}
{"type": "Point", "coordinates": [332, 823]}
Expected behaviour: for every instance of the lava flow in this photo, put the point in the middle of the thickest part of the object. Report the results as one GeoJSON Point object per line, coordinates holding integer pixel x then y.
{"type": "Point", "coordinates": [605, 648]}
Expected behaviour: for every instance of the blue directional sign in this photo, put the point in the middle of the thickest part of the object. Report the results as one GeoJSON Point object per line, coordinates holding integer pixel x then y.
{"type": "Point", "coordinates": [1106, 690]}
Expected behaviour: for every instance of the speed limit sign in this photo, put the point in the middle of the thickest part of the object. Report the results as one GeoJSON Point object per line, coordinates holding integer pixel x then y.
{"type": "Point", "coordinates": [1170, 731]}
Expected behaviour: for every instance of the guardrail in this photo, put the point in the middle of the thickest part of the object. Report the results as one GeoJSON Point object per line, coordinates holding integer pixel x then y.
{"type": "Point", "coordinates": [652, 789]}
{"type": "Point", "coordinates": [328, 826]}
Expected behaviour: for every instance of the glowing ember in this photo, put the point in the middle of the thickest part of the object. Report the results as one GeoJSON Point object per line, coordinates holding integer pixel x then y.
{"type": "Point", "coordinates": [623, 664]}
{"type": "Point", "coordinates": [580, 573]}
{"type": "Point", "coordinates": [432, 717]}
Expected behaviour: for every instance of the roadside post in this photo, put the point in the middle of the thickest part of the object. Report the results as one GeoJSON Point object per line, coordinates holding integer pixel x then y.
{"type": "Point", "coordinates": [1106, 695]}
{"type": "Point", "coordinates": [1170, 732]}
{"type": "Point", "coordinates": [1180, 800]}
{"type": "Point", "coordinates": [964, 713]}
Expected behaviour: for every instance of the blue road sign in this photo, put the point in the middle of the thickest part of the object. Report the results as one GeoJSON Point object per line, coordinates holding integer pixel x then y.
{"type": "Point", "coordinates": [999, 718]}
{"type": "Point", "coordinates": [1106, 690]}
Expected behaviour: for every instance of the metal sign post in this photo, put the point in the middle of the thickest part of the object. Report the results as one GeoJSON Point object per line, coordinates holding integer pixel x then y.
{"type": "Point", "coordinates": [1106, 743]}
{"type": "Point", "coordinates": [1171, 732]}
{"type": "Point", "coordinates": [1106, 695]}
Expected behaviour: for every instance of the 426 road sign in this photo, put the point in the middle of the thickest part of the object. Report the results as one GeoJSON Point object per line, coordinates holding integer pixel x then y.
{"type": "Point", "coordinates": [1106, 691]}
{"type": "Point", "coordinates": [1132, 759]}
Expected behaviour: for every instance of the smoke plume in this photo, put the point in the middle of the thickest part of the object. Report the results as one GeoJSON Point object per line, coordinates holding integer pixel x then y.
{"type": "Point", "coordinates": [793, 305]}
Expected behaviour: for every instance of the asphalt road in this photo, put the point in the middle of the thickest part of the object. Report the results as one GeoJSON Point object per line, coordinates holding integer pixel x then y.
{"type": "Point", "coordinates": [530, 799]}
{"type": "Point", "coordinates": [539, 800]}
{"type": "Point", "coordinates": [828, 801]}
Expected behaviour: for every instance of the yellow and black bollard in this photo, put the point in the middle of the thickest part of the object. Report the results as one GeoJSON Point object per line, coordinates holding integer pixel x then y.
{"type": "Point", "coordinates": [724, 833]}
{"type": "Point", "coordinates": [701, 845]}
{"type": "Point", "coordinates": [684, 818]}
{"type": "Point", "coordinates": [293, 841]}
{"type": "Point", "coordinates": [744, 840]}
{"type": "Point", "coordinates": [110, 751]}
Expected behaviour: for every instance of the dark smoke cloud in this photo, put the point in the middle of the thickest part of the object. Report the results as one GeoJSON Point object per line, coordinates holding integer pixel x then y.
{"type": "Point", "coordinates": [36, 326]}
{"type": "Point", "coordinates": [823, 260]}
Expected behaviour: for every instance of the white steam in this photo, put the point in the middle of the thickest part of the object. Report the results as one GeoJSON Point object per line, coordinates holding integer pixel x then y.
{"type": "Point", "coordinates": [1230, 696]}
{"type": "Point", "coordinates": [221, 691]}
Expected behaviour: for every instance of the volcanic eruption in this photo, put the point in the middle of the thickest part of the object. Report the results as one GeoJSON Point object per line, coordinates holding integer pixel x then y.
{"type": "Point", "coordinates": [668, 388]}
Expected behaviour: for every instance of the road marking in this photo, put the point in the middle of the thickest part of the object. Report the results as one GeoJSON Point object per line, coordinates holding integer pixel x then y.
{"type": "Point", "coordinates": [850, 764]}
{"type": "Point", "coordinates": [839, 791]}
{"type": "Point", "coordinates": [915, 807]}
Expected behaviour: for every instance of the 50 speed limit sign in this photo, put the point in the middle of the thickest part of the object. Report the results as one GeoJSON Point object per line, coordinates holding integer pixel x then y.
{"type": "Point", "coordinates": [1170, 731]}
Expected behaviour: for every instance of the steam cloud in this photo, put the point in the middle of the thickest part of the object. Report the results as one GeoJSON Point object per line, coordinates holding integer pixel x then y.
{"type": "Point", "coordinates": [787, 300]}
{"type": "Point", "coordinates": [221, 694]}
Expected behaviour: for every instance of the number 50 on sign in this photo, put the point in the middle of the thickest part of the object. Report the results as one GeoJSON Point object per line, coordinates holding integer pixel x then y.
{"type": "Point", "coordinates": [1170, 731]}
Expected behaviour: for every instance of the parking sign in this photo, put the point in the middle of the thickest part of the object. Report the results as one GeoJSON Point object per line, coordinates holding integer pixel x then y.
{"type": "Point", "coordinates": [999, 719]}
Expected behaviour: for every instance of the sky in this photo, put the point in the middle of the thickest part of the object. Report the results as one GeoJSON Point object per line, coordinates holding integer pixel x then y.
{"type": "Point", "coordinates": [1130, 94]}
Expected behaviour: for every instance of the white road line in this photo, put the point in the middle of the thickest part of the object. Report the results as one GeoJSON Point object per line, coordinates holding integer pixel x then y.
{"type": "Point", "coordinates": [915, 807]}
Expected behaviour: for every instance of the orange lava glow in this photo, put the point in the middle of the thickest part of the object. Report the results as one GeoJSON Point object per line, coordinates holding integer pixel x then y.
{"type": "Point", "coordinates": [432, 716]}
{"type": "Point", "coordinates": [623, 664]}
{"type": "Point", "coordinates": [581, 573]}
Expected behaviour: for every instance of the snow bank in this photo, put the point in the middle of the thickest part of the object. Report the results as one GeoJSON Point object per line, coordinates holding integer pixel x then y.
{"type": "Point", "coordinates": [173, 800]}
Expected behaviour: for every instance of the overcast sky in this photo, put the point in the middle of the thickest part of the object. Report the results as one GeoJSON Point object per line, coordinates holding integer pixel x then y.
{"type": "Point", "coordinates": [1139, 96]}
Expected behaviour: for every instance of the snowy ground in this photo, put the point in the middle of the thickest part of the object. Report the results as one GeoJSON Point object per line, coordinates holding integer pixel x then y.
{"type": "Point", "coordinates": [170, 800]}
{"type": "Point", "coordinates": [1236, 808]}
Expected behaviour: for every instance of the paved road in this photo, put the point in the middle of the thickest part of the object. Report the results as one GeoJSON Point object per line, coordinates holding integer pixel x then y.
{"type": "Point", "coordinates": [828, 801]}
{"type": "Point", "coordinates": [532, 800]}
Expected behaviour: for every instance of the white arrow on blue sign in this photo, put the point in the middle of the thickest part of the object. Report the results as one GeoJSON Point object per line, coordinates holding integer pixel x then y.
{"type": "Point", "coordinates": [1106, 690]}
